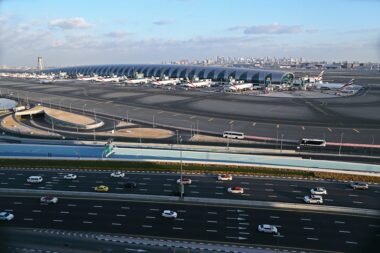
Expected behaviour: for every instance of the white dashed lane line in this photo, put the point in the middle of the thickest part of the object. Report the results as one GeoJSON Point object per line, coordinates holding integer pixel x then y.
{"type": "Point", "coordinates": [339, 222]}
{"type": "Point", "coordinates": [116, 224]}
{"type": "Point", "coordinates": [92, 213]}
{"type": "Point", "coordinates": [177, 228]}
{"type": "Point", "coordinates": [344, 231]}
{"type": "Point", "coordinates": [58, 220]}
{"type": "Point", "coordinates": [308, 228]}
{"type": "Point", "coordinates": [150, 217]}
{"type": "Point", "coordinates": [36, 211]}
{"type": "Point", "coordinates": [64, 212]}
{"type": "Point", "coordinates": [350, 242]}
{"type": "Point", "coordinates": [120, 215]}
{"type": "Point", "coordinates": [28, 219]}
{"type": "Point", "coordinates": [305, 219]}
{"type": "Point", "coordinates": [211, 230]}
{"type": "Point", "coordinates": [146, 226]}
{"type": "Point", "coordinates": [274, 217]}
{"type": "Point", "coordinates": [312, 238]}
{"type": "Point", "coordinates": [87, 222]}
{"type": "Point", "coordinates": [97, 206]}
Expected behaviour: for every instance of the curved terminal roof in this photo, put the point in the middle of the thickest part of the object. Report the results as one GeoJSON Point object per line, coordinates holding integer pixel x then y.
{"type": "Point", "coordinates": [181, 71]}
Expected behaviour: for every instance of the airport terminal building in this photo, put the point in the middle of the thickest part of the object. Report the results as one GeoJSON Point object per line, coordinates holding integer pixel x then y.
{"type": "Point", "coordinates": [255, 76]}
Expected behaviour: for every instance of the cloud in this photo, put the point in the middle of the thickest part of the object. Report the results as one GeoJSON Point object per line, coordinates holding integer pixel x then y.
{"type": "Point", "coordinates": [163, 22]}
{"type": "Point", "coordinates": [274, 28]}
{"type": "Point", "coordinates": [71, 23]}
{"type": "Point", "coordinates": [117, 34]}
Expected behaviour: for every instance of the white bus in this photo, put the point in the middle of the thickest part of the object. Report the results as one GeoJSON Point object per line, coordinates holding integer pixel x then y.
{"type": "Point", "coordinates": [233, 135]}
{"type": "Point", "coordinates": [313, 142]}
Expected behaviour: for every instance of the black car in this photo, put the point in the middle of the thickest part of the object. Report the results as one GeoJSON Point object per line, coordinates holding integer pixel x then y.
{"type": "Point", "coordinates": [130, 185]}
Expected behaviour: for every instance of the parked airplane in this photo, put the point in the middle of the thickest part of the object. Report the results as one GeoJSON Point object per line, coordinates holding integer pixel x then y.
{"type": "Point", "coordinates": [334, 86]}
{"type": "Point", "coordinates": [233, 87]}
{"type": "Point", "coordinates": [166, 82]}
{"type": "Point", "coordinates": [198, 84]}
{"type": "Point", "coordinates": [137, 81]}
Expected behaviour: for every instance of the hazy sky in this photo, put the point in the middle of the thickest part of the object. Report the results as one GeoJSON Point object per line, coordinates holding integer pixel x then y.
{"type": "Point", "coordinates": [76, 32]}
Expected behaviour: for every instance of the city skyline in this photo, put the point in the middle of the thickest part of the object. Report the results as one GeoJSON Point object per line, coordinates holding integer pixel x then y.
{"type": "Point", "coordinates": [91, 32]}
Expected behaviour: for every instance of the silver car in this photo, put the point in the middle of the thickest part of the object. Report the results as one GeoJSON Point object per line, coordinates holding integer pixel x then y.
{"type": "Point", "coordinates": [359, 185]}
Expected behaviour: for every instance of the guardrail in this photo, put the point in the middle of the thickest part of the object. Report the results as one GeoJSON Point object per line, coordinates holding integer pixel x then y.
{"type": "Point", "coordinates": [192, 200]}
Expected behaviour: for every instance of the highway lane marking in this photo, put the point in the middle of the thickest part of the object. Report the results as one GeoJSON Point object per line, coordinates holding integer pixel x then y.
{"type": "Point", "coordinates": [142, 183]}
{"type": "Point", "coordinates": [329, 129]}
{"type": "Point", "coordinates": [92, 213]}
{"type": "Point", "coordinates": [195, 192]}
{"type": "Point", "coordinates": [345, 231]}
{"type": "Point", "coordinates": [339, 222]}
{"type": "Point", "coordinates": [154, 209]}
{"type": "Point", "coordinates": [219, 193]}
{"type": "Point", "coordinates": [170, 179]}
{"type": "Point", "coordinates": [96, 206]}
{"type": "Point", "coordinates": [293, 185]}
{"type": "Point", "coordinates": [231, 122]}
{"type": "Point", "coordinates": [64, 212]}
{"type": "Point", "coordinates": [181, 211]}
{"type": "Point", "coordinates": [28, 219]}
{"type": "Point", "coordinates": [87, 222]}
{"type": "Point", "coordinates": [219, 187]}
{"type": "Point", "coordinates": [11, 178]}
{"type": "Point", "coordinates": [274, 217]}
{"type": "Point", "coordinates": [296, 191]}
{"type": "Point", "coordinates": [269, 184]}
{"type": "Point", "coordinates": [167, 190]}
{"type": "Point", "coordinates": [125, 207]}
{"type": "Point", "coordinates": [272, 196]}
{"type": "Point", "coordinates": [120, 215]}
{"type": "Point", "coordinates": [244, 233]}
{"type": "Point", "coordinates": [160, 112]}
{"type": "Point", "coordinates": [177, 228]}
{"type": "Point", "coordinates": [116, 224]}
{"type": "Point", "coordinates": [305, 219]}
{"type": "Point", "coordinates": [243, 214]}
{"type": "Point", "coordinates": [329, 200]}
{"type": "Point", "coordinates": [312, 238]}
{"type": "Point", "coordinates": [58, 220]}
{"type": "Point", "coordinates": [373, 226]}
{"type": "Point", "coordinates": [175, 115]}
{"type": "Point", "coordinates": [353, 195]}
{"type": "Point", "coordinates": [234, 218]}
{"type": "Point", "coordinates": [244, 182]}
{"type": "Point", "coordinates": [193, 117]}
{"type": "Point", "coordinates": [146, 226]}
{"type": "Point", "coordinates": [150, 217]}
{"type": "Point", "coordinates": [72, 186]}
{"type": "Point", "coordinates": [146, 178]}
{"type": "Point", "coordinates": [144, 189]}
{"type": "Point", "coordinates": [179, 219]}
{"type": "Point", "coordinates": [4, 183]}
{"type": "Point", "coordinates": [308, 228]}
{"type": "Point", "coordinates": [36, 211]}
{"type": "Point", "coordinates": [212, 221]}
{"type": "Point", "coordinates": [357, 202]}
{"type": "Point", "coordinates": [350, 242]}
{"type": "Point", "coordinates": [357, 131]}
{"type": "Point", "coordinates": [193, 186]}
{"type": "Point", "coordinates": [213, 213]}
{"type": "Point", "coordinates": [254, 124]}
{"type": "Point", "coordinates": [269, 190]}
{"type": "Point", "coordinates": [167, 184]}
{"type": "Point", "coordinates": [99, 182]}
{"type": "Point", "coordinates": [118, 188]}
{"type": "Point", "coordinates": [210, 119]}
{"type": "Point", "coordinates": [211, 230]}
{"type": "Point", "coordinates": [17, 203]}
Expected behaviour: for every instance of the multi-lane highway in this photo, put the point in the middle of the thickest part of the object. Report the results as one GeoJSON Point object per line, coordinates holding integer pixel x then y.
{"type": "Point", "coordinates": [199, 222]}
{"type": "Point", "coordinates": [352, 119]}
{"type": "Point", "coordinates": [290, 190]}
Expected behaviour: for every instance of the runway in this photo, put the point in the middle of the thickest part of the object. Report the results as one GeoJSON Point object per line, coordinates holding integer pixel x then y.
{"type": "Point", "coordinates": [353, 119]}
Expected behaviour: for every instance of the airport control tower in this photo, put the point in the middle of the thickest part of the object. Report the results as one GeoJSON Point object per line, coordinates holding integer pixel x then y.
{"type": "Point", "coordinates": [40, 63]}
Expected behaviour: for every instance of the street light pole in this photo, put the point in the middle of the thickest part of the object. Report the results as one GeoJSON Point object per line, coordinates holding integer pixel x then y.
{"type": "Point", "coordinates": [177, 136]}
{"type": "Point", "coordinates": [181, 183]}
{"type": "Point", "coordinates": [282, 136]}
{"type": "Point", "coordinates": [70, 107]}
{"type": "Point", "coordinates": [341, 141]}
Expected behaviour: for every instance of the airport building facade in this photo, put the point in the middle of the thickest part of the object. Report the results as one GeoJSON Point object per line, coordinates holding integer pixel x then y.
{"type": "Point", "coordinates": [255, 76]}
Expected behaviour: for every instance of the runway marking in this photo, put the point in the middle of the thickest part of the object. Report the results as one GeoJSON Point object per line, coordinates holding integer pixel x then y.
{"type": "Point", "coordinates": [210, 119]}
{"type": "Point", "coordinates": [345, 231]}
{"type": "Point", "coordinates": [193, 117]}
{"type": "Point", "coordinates": [329, 129]}
{"type": "Point", "coordinates": [303, 128]}
{"type": "Point", "coordinates": [356, 130]}
{"type": "Point", "coordinates": [254, 124]}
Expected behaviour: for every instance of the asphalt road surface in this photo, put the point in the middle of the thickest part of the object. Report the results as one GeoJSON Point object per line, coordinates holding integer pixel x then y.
{"type": "Point", "coordinates": [198, 222]}
{"type": "Point", "coordinates": [353, 119]}
{"type": "Point", "coordinates": [202, 186]}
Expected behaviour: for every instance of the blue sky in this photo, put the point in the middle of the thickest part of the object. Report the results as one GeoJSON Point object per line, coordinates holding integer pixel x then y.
{"type": "Point", "coordinates": [152, 31]}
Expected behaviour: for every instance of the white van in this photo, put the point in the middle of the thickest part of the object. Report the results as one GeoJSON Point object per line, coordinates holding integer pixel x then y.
{"type": "Point", "coordinates": [34, 179]}
{"type": "Point", "coordinates": [233, 135]}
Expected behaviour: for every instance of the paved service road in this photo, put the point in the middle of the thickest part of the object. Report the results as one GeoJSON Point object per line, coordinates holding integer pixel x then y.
{"type": "Point", "coordinates": [206, 186]}
{"type": "Point", "coordinates": [199, 222]}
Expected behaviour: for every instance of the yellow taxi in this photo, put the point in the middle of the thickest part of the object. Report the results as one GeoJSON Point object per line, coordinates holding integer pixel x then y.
{"type": "Point", "coordinates": [101, 188]}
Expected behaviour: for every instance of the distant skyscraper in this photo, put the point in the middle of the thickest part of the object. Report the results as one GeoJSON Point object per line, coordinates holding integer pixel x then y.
{"type": "Point", "coordinates": [40, 63]}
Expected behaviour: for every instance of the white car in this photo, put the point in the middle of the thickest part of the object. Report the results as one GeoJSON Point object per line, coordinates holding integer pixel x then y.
{"type": "Point", "coordinates": [267, 229]}
{"type": "Point", "coordinates": [169, 214]}
{"type": "Point", "coordinates": [6, 216]}
{"type": "Point", "coordinates": [313, 199]}
{"type": "Point", "coordinates": [34, 179]}
{"type": "Point", "coordinates": [225, 177]}
{"type": "Point", "coordinates": [118, 174]}
{"type": "Point", "coordinates": [184, 180]}
{"type": "Point", "coordinates": [49, 200]}
{"type": "Point", "coordinates": [318, 190]}
{"type": "Point", "coordinates": [70, 176]}
{"type": "Point", "coordinates": [235, 189]}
